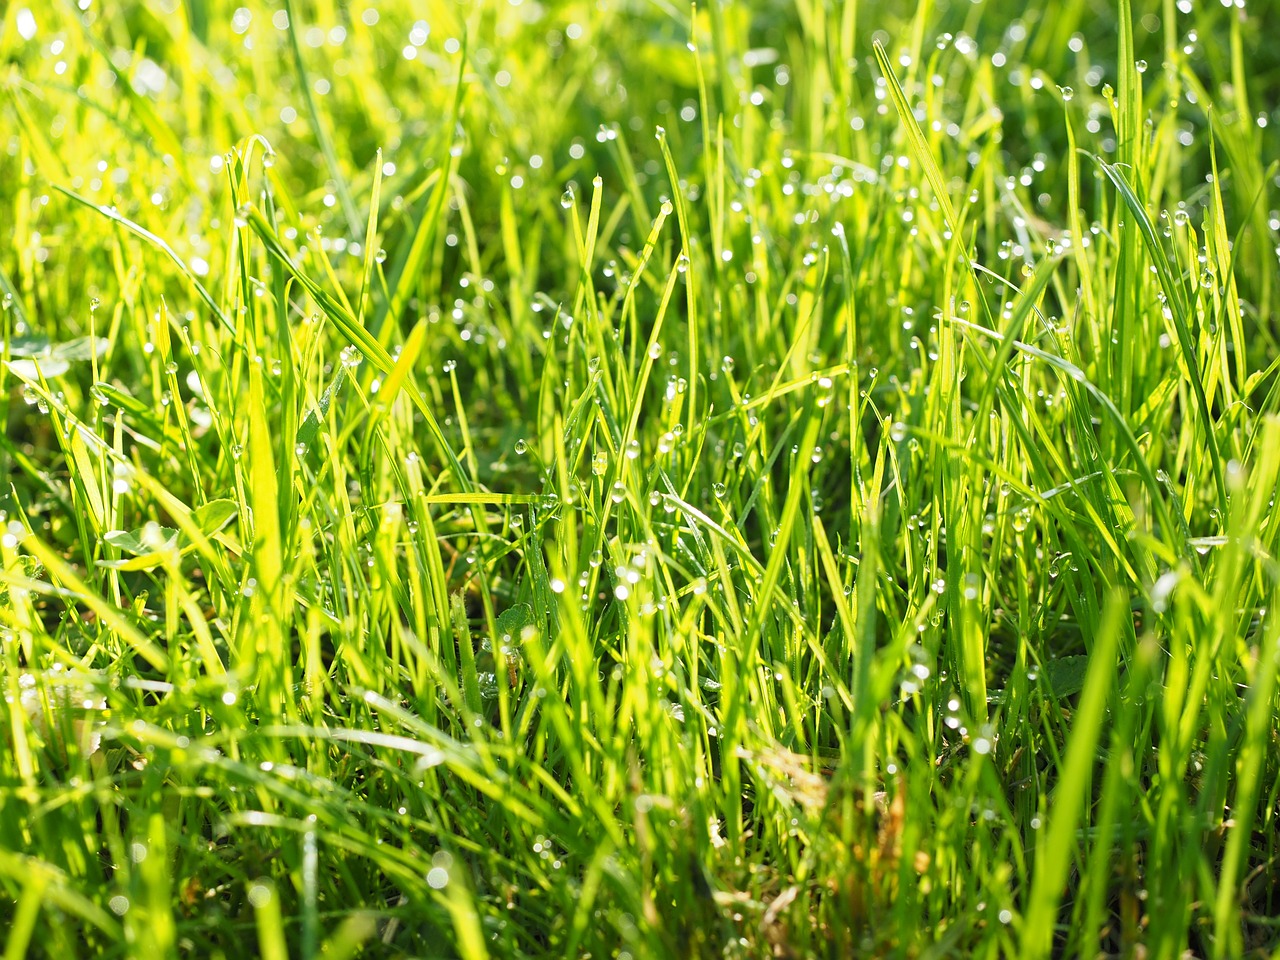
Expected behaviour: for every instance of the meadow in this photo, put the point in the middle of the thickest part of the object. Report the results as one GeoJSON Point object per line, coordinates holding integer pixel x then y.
{"type": "Point", "coordinates": [624, 479]}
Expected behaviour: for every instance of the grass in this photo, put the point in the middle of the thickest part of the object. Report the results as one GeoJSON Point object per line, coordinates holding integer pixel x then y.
{"type": "Point", "coordinates": [625, 480]}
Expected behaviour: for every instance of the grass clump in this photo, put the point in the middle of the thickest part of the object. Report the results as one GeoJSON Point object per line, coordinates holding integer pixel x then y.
{"type": "Point", "coordinates": [595, 479]}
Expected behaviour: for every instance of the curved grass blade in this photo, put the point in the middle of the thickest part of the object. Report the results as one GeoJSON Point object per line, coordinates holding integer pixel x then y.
{"type": "Point", "coordinates": [111, 214]}
{"type": "Point", "coordinates": [1176, 298]}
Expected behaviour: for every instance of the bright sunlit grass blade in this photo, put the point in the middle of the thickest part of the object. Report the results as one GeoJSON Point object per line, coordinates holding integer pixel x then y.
{"type": "Point", "coordinates": [1060, 841]}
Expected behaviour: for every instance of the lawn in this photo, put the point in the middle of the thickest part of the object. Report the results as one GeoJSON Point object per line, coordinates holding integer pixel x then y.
{"type": "Point", "coordinates": [621, 479]}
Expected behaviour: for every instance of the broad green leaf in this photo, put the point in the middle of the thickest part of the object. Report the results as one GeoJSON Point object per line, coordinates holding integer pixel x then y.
{"type": "Point", "coordinates": [144, 540]}
{"type": "Point", "coordinates": [1065, 676]}
{"type": "Point", "coordinates": [214, 515]}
